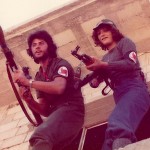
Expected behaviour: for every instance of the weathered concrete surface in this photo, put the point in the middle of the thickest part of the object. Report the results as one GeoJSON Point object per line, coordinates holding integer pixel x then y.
{"type": "Point", "coordinates": [142, 145]}
{"type": "Point", "coordinates": [70, 26]}
{"type": "Point", "coordinates": [73, 25]}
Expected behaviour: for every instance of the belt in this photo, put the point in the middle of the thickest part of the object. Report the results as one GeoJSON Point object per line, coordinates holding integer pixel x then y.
{"type": "Point", "coordinates": [118, 82]}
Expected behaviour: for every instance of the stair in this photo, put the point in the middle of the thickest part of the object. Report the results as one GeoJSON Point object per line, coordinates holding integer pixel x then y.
{"type": "Point", "coordinates": [15, 129]}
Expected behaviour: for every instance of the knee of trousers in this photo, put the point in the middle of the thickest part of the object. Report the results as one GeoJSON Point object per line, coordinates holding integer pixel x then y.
{"type": "Point", "coordinates": [40, 144]}
{"type": "Point", "coordinates": [41, 136]}
{"type": "Point", "coordinates": [118, 131]}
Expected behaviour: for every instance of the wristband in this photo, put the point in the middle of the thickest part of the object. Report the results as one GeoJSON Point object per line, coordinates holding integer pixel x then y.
{"type": "Point", "coordinates": [31, 82]}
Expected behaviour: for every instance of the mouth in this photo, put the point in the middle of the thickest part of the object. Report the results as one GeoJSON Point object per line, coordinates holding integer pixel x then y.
{"type": "Point", "coordinates": [38, 52]}
{"type": "Point", "coordinates": [104, 38]}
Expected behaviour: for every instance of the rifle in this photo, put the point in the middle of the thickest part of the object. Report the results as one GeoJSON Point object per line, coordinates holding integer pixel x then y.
{"type": "Point", "coordinates": [11, 66]}
{"type": "Point", "coordinates": [87, 60]}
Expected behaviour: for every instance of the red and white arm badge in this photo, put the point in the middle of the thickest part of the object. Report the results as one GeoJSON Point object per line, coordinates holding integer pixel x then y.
{"type": "Point", "coordinates": [133, 56]}
{"type": "Point", "coordinates": [63, 71]}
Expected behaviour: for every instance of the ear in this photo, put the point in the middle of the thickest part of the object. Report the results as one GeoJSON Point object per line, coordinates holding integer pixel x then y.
{"type": "Point", "coordinates": [29, 52]}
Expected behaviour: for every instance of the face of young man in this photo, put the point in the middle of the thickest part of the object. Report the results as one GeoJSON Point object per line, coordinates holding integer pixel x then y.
{"type": "Point", "coordinates": [39, 49]}
{"type": "Point", "coordinates": [105, 37]}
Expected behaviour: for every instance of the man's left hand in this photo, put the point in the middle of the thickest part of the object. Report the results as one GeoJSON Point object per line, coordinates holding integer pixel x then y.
{"type": "Point", "coordinates": [20, 78]}
{"type": "Point", "coordinates": [97, 64]}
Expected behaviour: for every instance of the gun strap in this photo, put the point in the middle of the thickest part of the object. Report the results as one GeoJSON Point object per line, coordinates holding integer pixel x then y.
{"type": "Point", "coordinates": [12, 83]}
{"type": "Point", "coordinates": [18, 96]}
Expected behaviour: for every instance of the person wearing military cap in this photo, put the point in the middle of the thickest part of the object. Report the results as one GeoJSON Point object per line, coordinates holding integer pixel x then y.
{"type": "Point", "coordinates": [130, 92]}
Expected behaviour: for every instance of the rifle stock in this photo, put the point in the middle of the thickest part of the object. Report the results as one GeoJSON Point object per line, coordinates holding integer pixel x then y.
{"type": "Point", "coordinates": [2, 39]}
{"type": "Point", "coordinates": [8, 54]}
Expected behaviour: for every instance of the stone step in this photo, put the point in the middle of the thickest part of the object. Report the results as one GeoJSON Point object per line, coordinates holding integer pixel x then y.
{"type": "Point", "coordinates": [15, 129]}
{"type": "Point", "coordinates": [141, 145]}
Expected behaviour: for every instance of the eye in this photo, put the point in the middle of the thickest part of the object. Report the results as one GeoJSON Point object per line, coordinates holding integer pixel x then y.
{"type": "Point", "coordinates": [99, 32]}
{"type": "Point", "coordinates": [33, 45]}
{"type": "Point", "coordinates": [42, 42]}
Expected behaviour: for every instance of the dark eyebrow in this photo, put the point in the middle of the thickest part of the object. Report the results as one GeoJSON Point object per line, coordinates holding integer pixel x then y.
{"type": "Point", "coordinates": [41, 40]}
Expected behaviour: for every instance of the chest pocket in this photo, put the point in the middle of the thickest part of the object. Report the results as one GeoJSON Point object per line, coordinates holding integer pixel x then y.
{"type": "Point", "coordinates": [120, 54]}
{"type": "Point", "coordinates": [48, 75]}
{"type": "Point", "coordinates": [114, 55]}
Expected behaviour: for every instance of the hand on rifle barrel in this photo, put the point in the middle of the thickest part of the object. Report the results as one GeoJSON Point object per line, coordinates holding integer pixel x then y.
{"type": "Point", "coordinates": [20, 78]}
{"type": "Point", "coordinates": [97, 64]}
{"type": "Point", "coordinates": [25, 94]}
{"type": "Point", "coordinates": [94, 83]}
{"type": "Point", "coordinates": [24, 89]}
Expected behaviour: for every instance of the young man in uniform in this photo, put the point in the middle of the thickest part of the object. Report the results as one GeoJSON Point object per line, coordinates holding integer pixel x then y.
{"type": "Point", "coordinates": [57, 99]}
{"type": "Point", "coordinates": [130, 92]}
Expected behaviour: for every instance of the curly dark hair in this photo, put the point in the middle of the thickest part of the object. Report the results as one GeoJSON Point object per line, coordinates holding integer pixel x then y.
{"type": "Point", "coordinates": [117, 36]}
{"type": "Point", "coordinates": [42, 34]}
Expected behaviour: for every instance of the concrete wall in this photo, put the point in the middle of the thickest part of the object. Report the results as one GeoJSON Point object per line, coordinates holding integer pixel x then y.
{"type": "Point", "coordinates": [73, 25]}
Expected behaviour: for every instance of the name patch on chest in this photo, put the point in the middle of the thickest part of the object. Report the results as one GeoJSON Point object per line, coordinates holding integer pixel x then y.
{"type": "Point", "coordinates": [63, 71]}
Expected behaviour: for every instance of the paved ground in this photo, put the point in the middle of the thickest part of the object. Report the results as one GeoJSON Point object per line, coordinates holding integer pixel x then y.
{"type": "Point", "coordinates": [15, 130]}
{"type": "Point", "coordinates": [142, 145]}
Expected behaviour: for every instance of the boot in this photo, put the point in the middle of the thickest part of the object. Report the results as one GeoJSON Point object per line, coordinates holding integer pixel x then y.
{"type": "Point", "coordinates": [120, 143]}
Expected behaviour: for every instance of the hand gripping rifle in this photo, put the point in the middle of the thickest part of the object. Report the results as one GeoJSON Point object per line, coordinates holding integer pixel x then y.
{"type": "Point", "coordinates": [35, 119]}
{"type": "Point", "coordinates": [87, 60]}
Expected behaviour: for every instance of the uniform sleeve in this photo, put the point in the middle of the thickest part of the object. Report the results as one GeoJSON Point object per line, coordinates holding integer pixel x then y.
{"type": "Point", "coordinates": [63, 69]}
{"type": "Point", "coordinates": [129, 56]}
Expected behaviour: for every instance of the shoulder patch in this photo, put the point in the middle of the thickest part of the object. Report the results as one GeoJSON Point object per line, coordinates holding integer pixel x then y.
{"type": "Point", "coordinates": [63, 71]}
{"type": "Point", "coordinates": [133, 56]}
